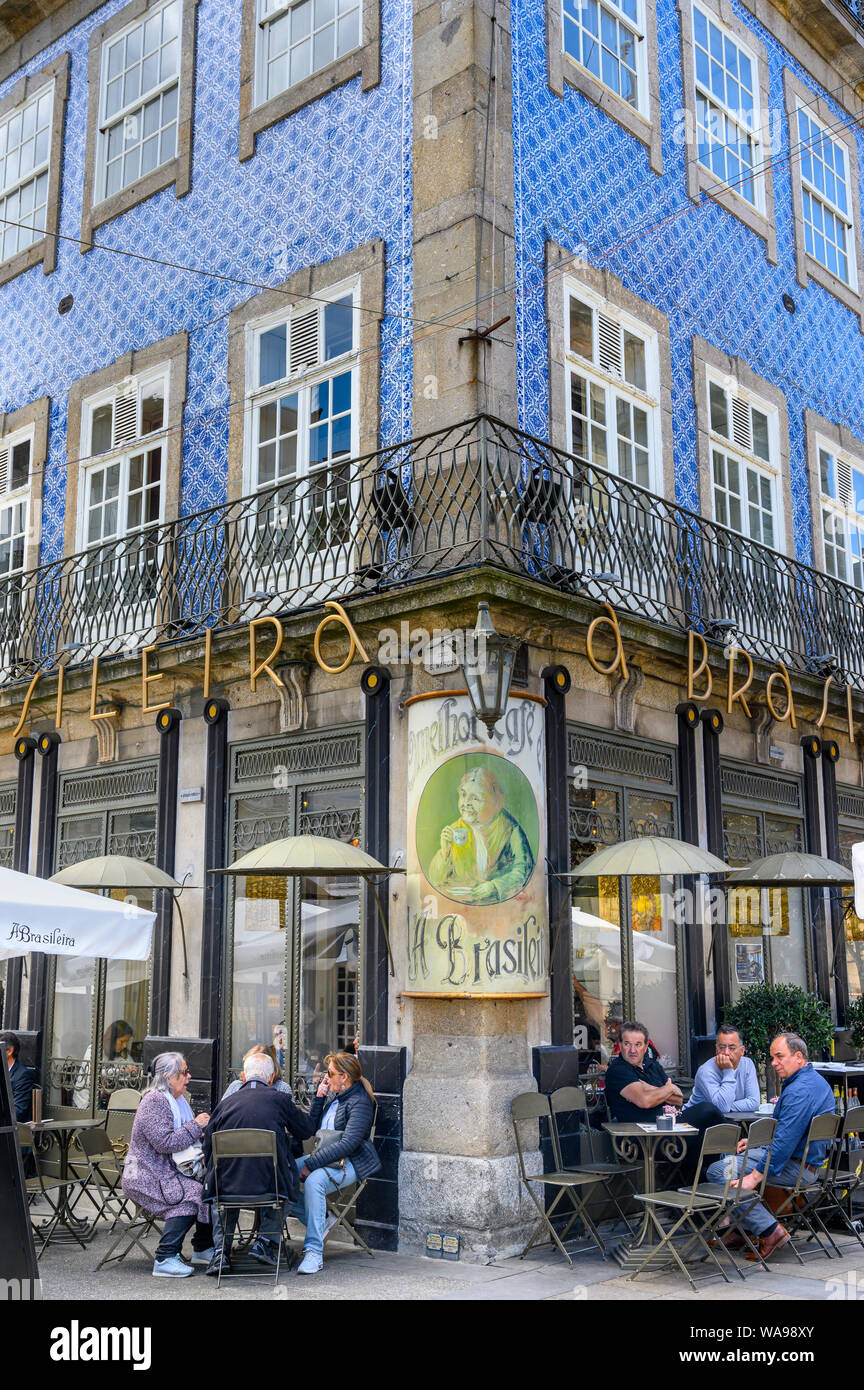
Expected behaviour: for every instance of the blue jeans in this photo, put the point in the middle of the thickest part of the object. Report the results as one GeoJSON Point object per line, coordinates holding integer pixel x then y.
{"type": "Point", "coordinates": [311, 1208]}
{"type": "Point", "coordinates": [225, 1224]}
{"type": "Point", "coordinates": [758, 1218]}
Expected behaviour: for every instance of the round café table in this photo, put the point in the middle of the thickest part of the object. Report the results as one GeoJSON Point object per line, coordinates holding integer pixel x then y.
{"type": "Point", "coordinates": [631, 1143]}
{"type": "Point", "coordinates": [65, 1130]}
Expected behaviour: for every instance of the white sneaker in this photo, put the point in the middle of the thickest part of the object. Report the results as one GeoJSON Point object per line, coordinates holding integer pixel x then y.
{"type": "Point", "coordinates": [312, 1263]}
{"type": "Point", "coordinates": [172, 1268]}
{"type": "Point", "coordinates": [203, 1257]}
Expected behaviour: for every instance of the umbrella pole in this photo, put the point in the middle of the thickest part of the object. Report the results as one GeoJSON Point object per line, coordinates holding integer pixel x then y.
{"type": "Point", "coordinates": [182, 937]}
{"type": "Point", "coordinates": [383, 927]}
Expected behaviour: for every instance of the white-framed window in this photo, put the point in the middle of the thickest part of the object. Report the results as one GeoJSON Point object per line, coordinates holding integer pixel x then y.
{"type": "Point", "coordinates": [16, 463]}
{"type": "Point", "coordinates": [296, 38]}
{"type": "Point", "coordinates": [745, 450]}
{"type": "Point", "coordinates": [25, 145]}
{"type": "Point", "coordinates": [124, 443]}
{"type": "Point", "coordinates": [303, 422]}
{"type": "Point", "coordinates": [727, 108]}
{"type": "Point", "coordinates": [826, 199]}
{"type": "Point", "coordinates": [607, 38]}
{"type": "Point", "coordinates": [139, 85]}
{"type": "Point", "coordinates": [841, 480]}
{"type": "Point", "coordinates": [613, 389]}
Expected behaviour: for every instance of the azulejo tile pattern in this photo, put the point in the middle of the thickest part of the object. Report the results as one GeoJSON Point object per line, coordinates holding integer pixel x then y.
{"type": "Point", "coordinates": [329, 178]}
{"type": "Point", "coordinates": [584, 182]}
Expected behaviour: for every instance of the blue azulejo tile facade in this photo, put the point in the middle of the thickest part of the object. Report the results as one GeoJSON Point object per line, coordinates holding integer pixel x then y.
{"type": "Point", "coordinates": [331, 177]}
{"type": "Point", "coordinates": [585, 183]}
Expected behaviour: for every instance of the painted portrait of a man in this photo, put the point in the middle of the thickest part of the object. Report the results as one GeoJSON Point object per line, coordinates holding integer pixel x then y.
{"type": "Point", "coordinates": [484, 855]}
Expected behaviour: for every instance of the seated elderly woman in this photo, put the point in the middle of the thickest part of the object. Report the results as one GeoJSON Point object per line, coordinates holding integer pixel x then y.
{"type": "Point", "coordinates": [164, 1127]}
{"type": "Point", "coordinates": [344, 1103]}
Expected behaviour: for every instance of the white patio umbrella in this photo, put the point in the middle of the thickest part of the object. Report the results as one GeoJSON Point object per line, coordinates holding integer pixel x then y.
{"type": "Point", "coordinates": [39, 915]}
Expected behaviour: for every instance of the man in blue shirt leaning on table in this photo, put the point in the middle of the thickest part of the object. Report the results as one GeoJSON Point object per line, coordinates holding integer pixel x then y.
{"type": "Point", "coordinates": [805, 1094]}
{"type": "Point", "coordinates": [728, 1080]}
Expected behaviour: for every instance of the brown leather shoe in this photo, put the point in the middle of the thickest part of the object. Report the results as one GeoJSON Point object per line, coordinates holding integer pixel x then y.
{"type": "Point", "coordinates": [768, 1244]}
{"type": "Point", "coordinates": [734, 1241]}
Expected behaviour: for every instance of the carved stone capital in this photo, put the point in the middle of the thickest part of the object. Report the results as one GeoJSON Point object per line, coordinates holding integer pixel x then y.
{"type": "Point", "coordinates": [293, 710]}
{"type": "Point", "coordinates": [106, 733]}
{"type": "Point", "coordinates": [762, 724]}
{"type": "Point", "coordinates": [624, 696]}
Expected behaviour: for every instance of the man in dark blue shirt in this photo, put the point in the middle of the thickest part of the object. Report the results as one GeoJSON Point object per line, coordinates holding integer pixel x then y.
{"type": "Point", "coordinates": [21, 1079]}
{"type": "Point", "coordinates": [805, 1095]}
{"type": "Point", "coordinates": [637, 1088]}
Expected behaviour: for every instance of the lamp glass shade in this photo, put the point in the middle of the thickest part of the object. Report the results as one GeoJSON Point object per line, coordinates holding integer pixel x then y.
{"type": "Point", "coordinates": [488, 669]}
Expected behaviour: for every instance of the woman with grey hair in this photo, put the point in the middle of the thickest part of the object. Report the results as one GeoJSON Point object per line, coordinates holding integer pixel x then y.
{"type": "Point", "coordinates": [164, 1127]}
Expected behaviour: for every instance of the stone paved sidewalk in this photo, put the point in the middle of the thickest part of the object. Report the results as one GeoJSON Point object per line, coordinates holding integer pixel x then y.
{"type": "Point", "coordinates": [69, 1273]}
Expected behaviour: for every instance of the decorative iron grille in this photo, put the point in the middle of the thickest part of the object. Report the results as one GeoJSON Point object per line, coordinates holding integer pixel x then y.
{"type": "Point", "coordinates": [137, 844]}
{"type": "Point", "coordinates": [311, 755]}
{"type": "Point", "coordinates": [110, 787]}
{"type": "Point", "coordinates": [603, 755]}
{"type": "Point", "coordinates": [477, 493]}
{"type": "Point", "coordinates": [594, 827]}
{"type": "Point", "coordinates": [759, 786]}
{"type": "Point", "coordinates": [337, 823]}
{"type": "Point", "coordinates": [851, 804]}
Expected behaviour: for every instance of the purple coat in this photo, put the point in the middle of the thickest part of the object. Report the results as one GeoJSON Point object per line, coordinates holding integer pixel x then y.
{"type": "Point", "coordinates": [150, 1175]}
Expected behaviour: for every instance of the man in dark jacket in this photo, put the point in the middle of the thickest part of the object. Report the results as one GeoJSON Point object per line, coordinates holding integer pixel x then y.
{"type": "Point", "coordinates": [255, 1106]}
{"type": "Point", "coordinates": [21, 1079]}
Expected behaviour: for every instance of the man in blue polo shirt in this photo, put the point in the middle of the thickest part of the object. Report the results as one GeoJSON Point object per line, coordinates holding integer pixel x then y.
{"type": "Point", "coordinates": [805, 1094]}
{"type": "Point", "coordinates": [728, 1080]}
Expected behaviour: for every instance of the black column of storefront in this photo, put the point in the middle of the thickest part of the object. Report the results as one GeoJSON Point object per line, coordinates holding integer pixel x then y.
{"type": "Point", "coordinates": [812, 748]}
{"type": "Point", "coordinates": [694, 956]}
{"type": "Point", "coordinates": [213, 921]}
{"type": "Point", "coordinates": [24, 750]}
{"type": "Point", "coordinates": [168, 724]}
{"type": "Point", "coordinates": [383, 1065]}
{"type": "Point", "coordinates": [46, 836]}
{"type": "Point", "coordinates": [718, 963]}
{"type": "Point", "coordinates": [837, 958]}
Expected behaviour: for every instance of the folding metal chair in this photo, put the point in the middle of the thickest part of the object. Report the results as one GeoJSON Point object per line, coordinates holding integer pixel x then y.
{"type": "Point", "coordinates": [532, 1106]}
{"type": "Point", "coordinates": [842, 1183]}
{"type": "Point", "coordinates": [132, 1233]}
{"type": "Point", "coordinates": [55, 1190]}
{"type": "Point", "coordinates": [798, 1206]}
{"type": "Point", "coordinates": [120, 1118]}
{"type": "Point", "coordinates": [742, 1200]}
{"type": "Point", "coordinates": [227, 1146]}
{"type": "Point", "coordinates": [102, 1172]}
{"type": "Point", "coordinates": [572, 1099]}
{"type": "Point", "coordinates": [694, 1214]}
{"type": "Point", "coordinates": [342, 1205]}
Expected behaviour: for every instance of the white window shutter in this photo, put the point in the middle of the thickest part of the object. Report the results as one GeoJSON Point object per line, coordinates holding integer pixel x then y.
{"type": "Point", "coordinates": [125, 419]}
{"type": "Point", "coordinates": [304, 340]}
{"type": "Point", "coordinates": [844, 482]}
{"type": "Point", "coordinates": [611, 357]}
{"type": "Point", "coordinates": [4, 472]}
{"type": "Point", "coordinates": [742, 431]}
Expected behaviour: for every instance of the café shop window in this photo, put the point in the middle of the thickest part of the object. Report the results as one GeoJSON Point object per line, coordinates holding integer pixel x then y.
{"type": "Point", "coordinates": [8, 802]}
{"type": "Point", "coordinates": [625, 942]}
{"type": "Point", "coordinates": [100, 1008]}
{"type": "Point", "coordinates": [851, 831]}
{"type": "Point", "coordinates": [767, 929]}
{"type": "Point", "coordinates": [294, 948]}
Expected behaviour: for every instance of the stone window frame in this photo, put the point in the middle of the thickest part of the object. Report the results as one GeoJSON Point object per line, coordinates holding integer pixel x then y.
{"type": "Point", "coordinates": [363, 62]}
{"type": "Point", "coordinates": [561, 68]}
{"type": "Point", "coordinates": [178, 171]}
{"type": "Point", "coordinates": [817, 429]}
{"type": "Point", "coordinates": [701, 180]}
{"type": "Point", "coordinates": [45, 248]}
{"type": "Point", "coordinates": [366, 264]}
{"type": "Point", "coordinates": [707, 358]}
{"type": "Point", "coordinates": [31, 419]}
{"type": "Point", "coordinates": [603, 283]}
{"type": "Point", "coordinates": [170, 352]}
{"type": "Point", "coordinates": [806, 266]}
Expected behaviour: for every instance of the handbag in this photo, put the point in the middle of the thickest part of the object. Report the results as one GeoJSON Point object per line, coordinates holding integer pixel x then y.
{"type": "Point", "coordinates": [321, 1139]}
{"type": "Point", "coordinates": [190, 1161]}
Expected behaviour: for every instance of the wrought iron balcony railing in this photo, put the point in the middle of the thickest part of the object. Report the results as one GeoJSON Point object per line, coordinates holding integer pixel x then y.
{"type": "Point", "coordinates": [480, 493]}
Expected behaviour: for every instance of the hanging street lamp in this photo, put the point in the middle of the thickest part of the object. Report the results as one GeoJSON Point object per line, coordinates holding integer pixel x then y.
{"type": "Point", "coordinates": [488, 669]}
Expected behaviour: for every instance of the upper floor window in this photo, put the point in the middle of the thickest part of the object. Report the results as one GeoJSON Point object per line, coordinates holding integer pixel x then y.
{"type": "Point", "coordinates": [298, 39]}
{"type": "Point", "coordinates": [607, 38]}
{"type": "Point", "coordinates": [303, 396]}
{"type": "Point", "coordinates": [826, 201]}
{"type": "Point", "coordinates": [744, 464]}
{"type": "Point", "coordinates": [123, 475]}
{"type": "Point", "coordinates": [25, 146]}
{"type": "Point", "coordinates": [16, 462]}
{"type": "Point", "coordinates": [138, 95]}
{"type": "Point", "coordinates": [841, 481]}
{"type": "Point", "coordinates": [727, 107]}
{"type": "Point", "coordinates": [613, 390]}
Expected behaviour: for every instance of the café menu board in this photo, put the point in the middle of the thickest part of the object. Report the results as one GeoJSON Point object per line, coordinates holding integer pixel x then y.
{"type": "Point", "coordinates": [476, 883]}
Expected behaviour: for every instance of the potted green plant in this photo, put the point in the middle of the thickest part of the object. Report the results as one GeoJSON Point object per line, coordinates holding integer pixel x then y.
{"type": "Point", "coordinates": [855, 1024]}
{"type": "Point", "coordinates": [762, 1011]}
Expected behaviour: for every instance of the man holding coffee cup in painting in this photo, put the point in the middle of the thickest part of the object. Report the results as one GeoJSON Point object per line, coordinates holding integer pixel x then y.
{"type": "Point", "coordinates": [485, 856]}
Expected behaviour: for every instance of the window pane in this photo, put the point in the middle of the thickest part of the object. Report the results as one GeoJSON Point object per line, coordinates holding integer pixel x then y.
{"type": "Point", "coordinates": [272, 355]}
{"type": "Point", "coordinates": [719, 409]}
{"type": "Point", "coordinates": [597, 976]}
{"type": "Point", "coordinates": [581, 321]}
{"type": "Point", "coordinates": [19, 474]}
{"type": "Point", "coordinates": [760, 435]}
{"type": "Point", "coordinates": [153, 408]}
{"type": "Point", "coordinates": [100, 438]}
{"type": "Point", "coordinates": [71, 1038]}
{"type": "Point", "coordinates": [338, 328]}
{"type": "Point", "coordinates": [634, 361]}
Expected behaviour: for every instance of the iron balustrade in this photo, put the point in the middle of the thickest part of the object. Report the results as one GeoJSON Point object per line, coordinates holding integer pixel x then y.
{"type": "Point", "coordinates": [478, 493]}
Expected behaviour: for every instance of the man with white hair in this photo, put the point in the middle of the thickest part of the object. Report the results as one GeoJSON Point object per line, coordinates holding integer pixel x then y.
{"type": "Point", "coordinates": [255, 1106]}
